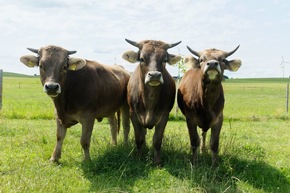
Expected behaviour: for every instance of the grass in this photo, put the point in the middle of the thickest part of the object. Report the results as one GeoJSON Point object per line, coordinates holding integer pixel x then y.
{"type": "Point", "coordinates": [254, 148]}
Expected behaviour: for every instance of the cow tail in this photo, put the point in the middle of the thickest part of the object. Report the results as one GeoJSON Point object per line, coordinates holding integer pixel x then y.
{"type": "Point", "coordinates": [118, 120]}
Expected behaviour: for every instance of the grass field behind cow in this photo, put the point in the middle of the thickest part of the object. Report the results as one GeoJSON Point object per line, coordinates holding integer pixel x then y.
{"type": "Point", "coordinates": [254, 147]}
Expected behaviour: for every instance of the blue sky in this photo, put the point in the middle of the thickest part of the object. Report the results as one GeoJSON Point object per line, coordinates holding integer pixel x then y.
{"type": "Point", "coordinates": [97, 29]}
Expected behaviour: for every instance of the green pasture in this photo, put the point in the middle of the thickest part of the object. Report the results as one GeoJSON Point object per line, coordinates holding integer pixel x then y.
{"type": "Point", "coordinates": [254, 147]}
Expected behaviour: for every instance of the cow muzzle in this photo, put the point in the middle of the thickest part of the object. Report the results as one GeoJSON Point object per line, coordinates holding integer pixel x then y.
{"type": "Point", "coordinates": [212, 69]}
{"type": "Point", "coordinates": [154, 78]}
{"type": "Point", "coordinates": [52, 89]}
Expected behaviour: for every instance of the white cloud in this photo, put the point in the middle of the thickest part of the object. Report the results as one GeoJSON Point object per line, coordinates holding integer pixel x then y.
{"type": "Point", "coordinates": [97, 29]}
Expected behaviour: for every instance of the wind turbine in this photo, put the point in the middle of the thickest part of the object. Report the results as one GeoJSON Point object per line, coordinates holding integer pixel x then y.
{"type": "Point", "coordinates": [282, 64]}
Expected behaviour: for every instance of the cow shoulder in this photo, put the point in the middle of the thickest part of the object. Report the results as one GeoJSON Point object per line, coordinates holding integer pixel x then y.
{"type": "Point", "coordinates": [190, 85]}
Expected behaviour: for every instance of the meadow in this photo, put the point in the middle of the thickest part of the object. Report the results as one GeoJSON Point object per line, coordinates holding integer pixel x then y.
{"type": "Point", "coordinates": [254, 147]}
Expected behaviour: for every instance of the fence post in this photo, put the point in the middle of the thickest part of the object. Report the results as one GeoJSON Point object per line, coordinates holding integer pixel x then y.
{"type": "Point", "coordinates": [1, 86]}
{"type": "Point", "coordinates": [287, 97]}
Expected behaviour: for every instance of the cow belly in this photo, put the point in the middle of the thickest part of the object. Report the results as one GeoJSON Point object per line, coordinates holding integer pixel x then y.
{"type": "Point", "coordinates": [101, 105]}
{"type": "Point", "coordinates": [204, 120]}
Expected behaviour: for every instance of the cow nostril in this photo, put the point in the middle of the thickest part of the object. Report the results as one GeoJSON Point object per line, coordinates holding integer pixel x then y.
{"type": "Point", "coordinates": [51, 87]}
{"type": "Point", "coordinates": [155, 74]}
{"type": "Point", "coordinates": [212, 63]}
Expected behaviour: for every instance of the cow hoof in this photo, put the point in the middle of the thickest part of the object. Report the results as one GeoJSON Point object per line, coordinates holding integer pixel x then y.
{"type": "Point", "coordinates": [158, 164]}
{"type": "Point", "coordinates": [87, 159]}
{"type": "Point", "coordinates": [54, 160]}
{"type": "Point", "coordinates": [214, 165]}
{"type": "Point", "coordinates": [158, 161]}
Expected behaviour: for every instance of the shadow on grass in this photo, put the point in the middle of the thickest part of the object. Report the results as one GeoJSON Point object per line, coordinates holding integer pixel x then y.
{"type": "Point", "coordinates": [119, 168]}
{"type": "Point", "coordinates": [231, 171]}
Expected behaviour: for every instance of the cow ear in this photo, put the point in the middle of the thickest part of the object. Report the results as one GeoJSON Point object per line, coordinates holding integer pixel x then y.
{"type": "Point", "coordinates": [29, 60]}
{"type": "Point", "coordinates": [233, 65]}
{"type": "Point", "coordinates": [191, 62]}
{"type": "Point", "coordinates": [76, 63]}
{"type": "Point", "coordinates": [173, 59]}
{"type": "Point", "coordinates": [130, 56]}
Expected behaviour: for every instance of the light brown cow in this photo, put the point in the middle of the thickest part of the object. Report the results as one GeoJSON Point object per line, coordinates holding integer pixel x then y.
{"type": "Point", "coordinates": [82, 91]}
{"type": "Point", "coordinates": [201, 98]}
{"type": "Point", "coordinates": [151, 91]}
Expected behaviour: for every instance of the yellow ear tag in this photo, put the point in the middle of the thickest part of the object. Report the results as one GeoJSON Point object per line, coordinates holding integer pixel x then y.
{"type": "Point", "coordinates": [72, 67]}
{"type": "Point", "coordinates": [30, 64]}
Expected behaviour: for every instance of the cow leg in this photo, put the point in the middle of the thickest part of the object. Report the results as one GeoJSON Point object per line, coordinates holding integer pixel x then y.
{"type": "Point", "coordinates": [214, 140]}
{"type": "Point", "coordinates": [125, 122]}
{"type": "Point", "coordinates": [140, 133]}
{"type": "Point", "coordinates": [194, 138]}
{"type": "Point", "coordinates": [87, 128]}
{"type": "Point", "coordinates": [60, 134]}
{"type": "Point", "coordinates": [157, 138]}
{"type": "Point", "coordinates": [202, 145]}
{"type": "Point", "coordinates": [114, 128]}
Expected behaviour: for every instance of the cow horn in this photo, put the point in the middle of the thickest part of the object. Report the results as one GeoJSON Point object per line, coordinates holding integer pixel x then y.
{"type": "Point", "coordinates": [33, 50]}
{"type": "Point", "coordinates": [193, 52]}
{"type": "Point", "coordinates": [71, 52]}
{"type": "Point", "coordinates": [227, 54]}
{"type": "Point", "coordinates": [133, 43]}
{"type": "Point", "coordinates": [172, 45]}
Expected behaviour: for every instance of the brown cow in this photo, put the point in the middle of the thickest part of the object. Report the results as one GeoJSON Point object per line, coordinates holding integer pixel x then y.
{"type": "Point", "coordinates": [201, 98]}
{"type": "Point", "coordinates": [81, 91]}
{"type": "Point", "coordinates": [151, 91]}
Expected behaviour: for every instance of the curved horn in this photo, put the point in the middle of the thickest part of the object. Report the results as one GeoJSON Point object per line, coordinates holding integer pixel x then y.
{"type": "Point", "coordinates": [227, 54]}
{"type": "Point", "coordinates": [133, 43]}
{"type": "Point", "coordinates": [33, 50]}
{"type": "Point", "coordinates": [172, 45]}
{"type": "Point", "coordinates": [71, 52]}
{"type": "Point", "coordinates": [193, 52]}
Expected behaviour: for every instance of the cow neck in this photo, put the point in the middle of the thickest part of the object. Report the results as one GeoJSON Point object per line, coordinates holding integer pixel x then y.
{"type": "Point", "coordinates": [151, 96]}
{"type": "Point", "coordinates": [59, 103]}
{"type": "Point", "coordinates": [211, 92]}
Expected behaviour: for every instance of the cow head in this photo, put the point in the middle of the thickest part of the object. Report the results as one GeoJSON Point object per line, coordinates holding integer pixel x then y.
{"type": "Point", "coordinates": [153, 57]}
{"type": "Point", "coordinates": [213, 62]}
{"type": "Point", "coordinates": [53, 63]}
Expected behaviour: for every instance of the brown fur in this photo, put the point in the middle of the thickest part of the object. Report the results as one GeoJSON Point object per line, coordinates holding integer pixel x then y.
{"type": "Point", "coordinates": [201, 98]}
{"type": "Point", "coordinates": [93, 92]}
{"type": "Point", "coordinates": [150, 105]}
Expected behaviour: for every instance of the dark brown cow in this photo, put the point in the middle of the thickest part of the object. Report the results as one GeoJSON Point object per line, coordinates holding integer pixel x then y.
{"type": "Point", "coordinates": [81, 91]}
{"type": "Point", "coordinates": [201, 98]}
{"type": "Point", "coordinates": [151, 91]}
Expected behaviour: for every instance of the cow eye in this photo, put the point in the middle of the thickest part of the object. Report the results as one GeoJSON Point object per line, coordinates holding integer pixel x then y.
{"type": "Point", "coordinates": [41, 67]}
{"type": "Point", "coordinates": [200, 60]}
{"type": "Point", "coordinates": [142, 60]}
{"type": "Point", "coordinates": [165, 61]}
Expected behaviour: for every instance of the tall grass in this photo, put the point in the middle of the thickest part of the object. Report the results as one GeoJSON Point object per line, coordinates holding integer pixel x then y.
{"type": "Point", "coordinates": [254, 148]}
